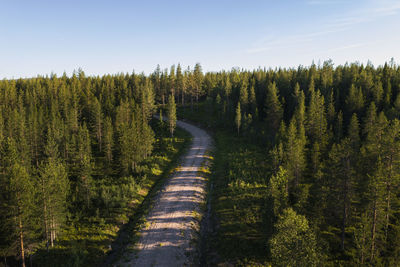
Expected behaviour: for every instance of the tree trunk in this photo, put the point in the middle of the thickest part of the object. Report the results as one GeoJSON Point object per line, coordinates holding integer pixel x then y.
{"type": "Point", "coordinates": [387, 214]}
{"type": "Point", "coordinates": [373, 232]}
{"type": "Point", "coordinates": [99, 133]}
{"type": "Point", "coordinates": [46, 229]}
{"type": "Point", "coordinates": [51, 234]}
{"type": "Point", "coordinates": [21, 239]}
{"type": "Point", "coordinates": [343, 224]}
{"type": "Point", "coordinates": [388, 189]}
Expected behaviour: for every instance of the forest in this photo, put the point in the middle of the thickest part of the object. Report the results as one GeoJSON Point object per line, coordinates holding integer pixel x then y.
{"type": "Point", "coordinates": [306, 167]}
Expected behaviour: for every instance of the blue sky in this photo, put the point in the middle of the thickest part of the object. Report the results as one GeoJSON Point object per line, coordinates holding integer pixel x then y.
{"type": "Point", "coordinates": [40, 37]}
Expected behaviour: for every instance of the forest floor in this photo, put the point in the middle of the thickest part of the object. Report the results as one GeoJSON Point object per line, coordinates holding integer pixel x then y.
{"type": "Point", "coordinates": [169, 235]}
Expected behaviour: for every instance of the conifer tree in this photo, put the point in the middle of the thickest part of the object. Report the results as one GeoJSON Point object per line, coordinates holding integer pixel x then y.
{"type": "Point", "coordinates": [172, 81]}
{"type": "Point", "coordinates": [180, 84]}
{"type": "Point", "coordinates": [243, 96]}
{"type": "Point", "coordinates": [227, 88]}
{"type": "Point", "coordinates": [378, 92]}
{"type": "Point", "coordinates": [273, 108]}
{"type": "Point", "coordinates": [108, 139]}
{"type": "Point", "coordinates": [294, 243]}
{"type": "Point", "coordinates": [54, 185]}
{"type": "Point", "coordinates": [171, 115]}
{"type": "Point", "coordinates": [354, 100]}
{"type": "Point", "coordinates": [97, 121]}
{"type": "Point", "coordinates": [316, 123]}
{"type": "Point", "coordinates": [19, 191]}
{"type": "Point", "coordinates": [294, 150]}
{"type": "Point", "coordinates": [370, 119]}
{"type": "Point", "coordinates": [331, 109]}
{"type": "Point", "coordinates": [238, 118]}
{"type": "Point", "coordinates": [198, 80]}
{"type": "Point", "coordinates": [84, 163]}
{"type": "Point", "coordinates": [278, 190]}
{"type": "Point", "coordinates": [253, 101]}
{"type": "Point", "coordinates": [354, 132]}
{"type": "Point", "coordinates": [342, 159]}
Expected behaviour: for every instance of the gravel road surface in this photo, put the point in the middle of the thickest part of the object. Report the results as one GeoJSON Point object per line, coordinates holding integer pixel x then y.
{"type": "Point", "coordinates": [167, 238]}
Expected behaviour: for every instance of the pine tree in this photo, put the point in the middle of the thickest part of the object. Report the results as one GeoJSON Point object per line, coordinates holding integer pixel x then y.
{"type": "Point", "coordinates": [341, 172]}
{"type": "Point", "coordinates": [227, 88]}
{"type": "Point", "coordinates": [172, 81]}
{"type": "Point", "coordinates": [253, 101]}
{"type": "Point", "coordinates": [373, 154]}
{"type": "Point", "coordinates": [84, 163]}
{"type": "Point", "coordinates": [295, 157]}
{"type": "Point", "coordinates": [19, 191]}
{"type": "Point", "coordinates": [339, 126]}
{"type": "Point", "coordinates": [108, 139]}
{"type": "Point", "coordinates": [354, 132]}
{"type": "Point", "coordinates": [180, 84]}
{"type": "Point", "coordinates": [171, 115]}
{"type": "Point", "coordinates": [331, 113]}
{"type": "Point", "coordinates": [370, 119]}
{"type": "Point", "coordinates": [198, 80]}
{"type": "Point", "coordinates": [54, 185]}
{"type": "Point", "coordinates": [238, 118]}
{"type": "Point", "coordinates": [243, 96]}
{"type": "Point", "coordinates": [147, 101]}
{"type": "Point", "coordinates": [97, 121]}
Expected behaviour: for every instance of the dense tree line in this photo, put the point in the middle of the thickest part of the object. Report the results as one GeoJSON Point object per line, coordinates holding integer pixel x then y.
{"type": "Point", "coordinates": [332, 139]}
{"type": "Point", "coordinates": [65, 145]}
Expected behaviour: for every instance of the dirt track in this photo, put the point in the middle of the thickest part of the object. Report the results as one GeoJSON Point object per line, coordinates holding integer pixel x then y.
{"type": "Point", "coordinates": [166, 238]}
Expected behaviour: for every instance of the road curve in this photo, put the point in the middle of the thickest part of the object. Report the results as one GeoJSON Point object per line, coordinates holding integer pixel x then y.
{"type": "Point", "coordinates": [166, 238]}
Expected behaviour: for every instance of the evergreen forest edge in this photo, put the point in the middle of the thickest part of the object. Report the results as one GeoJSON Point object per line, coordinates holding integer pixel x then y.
{"type": "Point", "coordinates": [313, 177]}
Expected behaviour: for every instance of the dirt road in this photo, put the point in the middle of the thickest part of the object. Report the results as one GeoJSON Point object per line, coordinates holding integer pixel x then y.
{"type": "Point", "coordinates": [167, 238]}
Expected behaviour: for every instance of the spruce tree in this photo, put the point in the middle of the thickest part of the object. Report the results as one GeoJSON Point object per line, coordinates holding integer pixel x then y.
{"type": "Point", "coordinates": [273, 109]}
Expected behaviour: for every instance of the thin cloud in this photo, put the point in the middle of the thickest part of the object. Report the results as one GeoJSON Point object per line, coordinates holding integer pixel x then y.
{"type": "Point", "coordinates": [377, 10]}
{"type": "Point", "coordinates": [344, 47]}
{"type": "Point", "coordinates": [287, 41]}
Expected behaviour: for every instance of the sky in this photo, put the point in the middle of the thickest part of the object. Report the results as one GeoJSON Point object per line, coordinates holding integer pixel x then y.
{"type": "Point", "coordinates": [45, 36]}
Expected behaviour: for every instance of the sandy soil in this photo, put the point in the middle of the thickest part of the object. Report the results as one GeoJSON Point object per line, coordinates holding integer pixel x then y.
{"type": "Point", "coordinates": [170, 228]}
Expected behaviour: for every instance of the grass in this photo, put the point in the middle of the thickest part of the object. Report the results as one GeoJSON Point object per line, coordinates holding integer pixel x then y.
{"type": "Point", "coordinates": [89, 243]}
{"type": "Point", "coordinates": [239, 175]}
